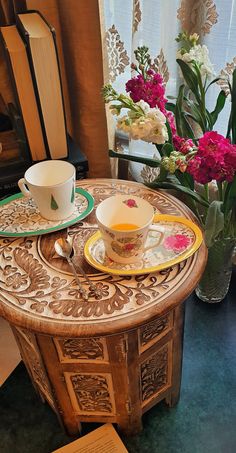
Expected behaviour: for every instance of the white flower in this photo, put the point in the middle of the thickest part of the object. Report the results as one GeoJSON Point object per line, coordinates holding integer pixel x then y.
{"type": "Point", "coordinates": [201, 55]}
{"type": "Point", "coordinates": [149, 126]}
{"type": "Point", "coordinates": [144, 106]}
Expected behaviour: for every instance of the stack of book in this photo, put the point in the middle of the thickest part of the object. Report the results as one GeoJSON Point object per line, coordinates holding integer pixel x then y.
{"type": "Point", "coordinates": [39, 119]}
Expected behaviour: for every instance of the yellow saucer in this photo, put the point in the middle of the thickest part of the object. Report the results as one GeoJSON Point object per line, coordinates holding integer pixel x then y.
{"type": "Point", "coordinates": [181, 239]}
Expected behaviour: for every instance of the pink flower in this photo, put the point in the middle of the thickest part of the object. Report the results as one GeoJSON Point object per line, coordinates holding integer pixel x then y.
{"type": "Point", "coordinates": [130, 203]}
{"type": "Point", "coordinates": [170, 117]}
{"type": "Point", "coordinates": [151, 90]}
{"type": "Point", "coordinates": [177, 243]}
{"type": "Point", "coordinates": [183, 145]}
{"type": "Point", "coordinates": [211, 142]}
{"type": "Point", "coordinates": [215, 159]}
{"type": "Point", "coordinates": [129, 247]}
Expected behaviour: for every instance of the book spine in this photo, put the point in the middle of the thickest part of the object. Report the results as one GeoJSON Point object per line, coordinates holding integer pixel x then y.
{"type": "Point", "coordinates": [53, 31]}
{"type": "Point", "coordinates": [25, 36]}
{"type": "Point", "coordinates": [16, 118]}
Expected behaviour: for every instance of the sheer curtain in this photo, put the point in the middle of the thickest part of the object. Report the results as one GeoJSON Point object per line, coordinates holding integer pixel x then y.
{"type": "Point", "coordinates": [156, 23]}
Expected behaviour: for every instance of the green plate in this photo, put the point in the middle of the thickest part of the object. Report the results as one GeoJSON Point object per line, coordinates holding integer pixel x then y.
{"type": "Point", "coordinates": [19, 216]}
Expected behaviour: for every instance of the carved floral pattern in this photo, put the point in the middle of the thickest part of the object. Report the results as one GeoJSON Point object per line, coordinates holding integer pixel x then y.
{"type": "Point", "coordinates": [48, 289]}
{"type": "Point", "coordinates": [31, 356]}
{"type": "Point", "coordinates": [154, 374]}
{"type": "Point", "coordinates": [154, 329]}
{"type": "Point", "coordinates": [92, 392]}
{"type": "Point", "coordinates": [117, 56]}
{"type": "Point", "coordinates": [86, 348]}
{"type": "Point", "coordinates": [200, 17]}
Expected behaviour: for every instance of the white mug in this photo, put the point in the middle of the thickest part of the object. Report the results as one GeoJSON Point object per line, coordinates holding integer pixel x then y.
{"type": "Point", "coordinates": [124, 222]}
{"type": "Point", "coordinates": [51, 184]}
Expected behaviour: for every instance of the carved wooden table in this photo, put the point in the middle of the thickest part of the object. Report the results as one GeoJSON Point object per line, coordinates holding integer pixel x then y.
{"type": "Point", "coordinates": [104, 360]}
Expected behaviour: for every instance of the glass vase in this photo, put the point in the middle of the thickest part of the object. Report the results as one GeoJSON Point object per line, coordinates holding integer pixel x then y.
{"type": "Point", "coordinates": [141, 172]}
{"type": "Point", "coordinates": [214, 284]}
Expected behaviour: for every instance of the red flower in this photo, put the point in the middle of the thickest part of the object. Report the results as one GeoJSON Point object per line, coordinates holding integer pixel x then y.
{"type": "Point", "coordinates": [130, 203]}
{"type": "Point", "coordinates": [177, 243]}
{"type": "Point", "coordinates": [129, 247]}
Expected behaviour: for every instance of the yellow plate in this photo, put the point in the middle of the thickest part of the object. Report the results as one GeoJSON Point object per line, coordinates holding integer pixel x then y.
{"type": "Point", "coordinates": [181, 239]}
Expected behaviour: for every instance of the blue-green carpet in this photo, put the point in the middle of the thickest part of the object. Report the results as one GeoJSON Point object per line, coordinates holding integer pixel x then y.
{"type": "Point", "coordinates": [204, 421]}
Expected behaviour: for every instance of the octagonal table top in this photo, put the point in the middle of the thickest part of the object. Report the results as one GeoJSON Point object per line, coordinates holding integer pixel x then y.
{"type": "Point", "coordinates": [38, 290]}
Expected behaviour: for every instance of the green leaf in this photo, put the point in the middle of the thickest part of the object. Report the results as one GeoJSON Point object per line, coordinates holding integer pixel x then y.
{"type": "Point", "coordinates": [214, 222]}
{"type": "Point", "coordinates": [167, 148]}
{"type": "Point", "coordinates": [220, 102]}
{"type": "Point", "coordinates": [197, 114]}
{"type": "Point", "coordinates": [230, 197]}
{"type": "Point", "coordinates": [178, 111]}
{"type": "Point", "coordinates": [213, 81]}
{"type": "Point", "coordinates": [143, 160]}
{"type": "Point", "coordinates": [54, 204]}
{"type": "Point", "coordinates": [187, 130]}
{"type": "Point", "coordinates": [170, 107]}
{"type": "Point", "coordinates": [190, 78]}
{"type": "Point", "coordinates": [163, 174]}
{"type": "Point", "coordinates": [186, 179]}
{"type": "Point", "coordinates": [72, 195]}
{"type": "Point", "coordinates": [167, 185]}
{"type": "Point", "coordinates": [228, 133]}
{"type": "Point", "coordinates": [209, 126]}
{"type": "Point", "coordinates": [170, 140]}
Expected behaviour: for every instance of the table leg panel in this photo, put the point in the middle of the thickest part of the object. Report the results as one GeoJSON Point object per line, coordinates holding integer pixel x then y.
{"type": "Point", "coordinates": [177, 355]}
{"type": "Point", "coordinates": [49, 355]}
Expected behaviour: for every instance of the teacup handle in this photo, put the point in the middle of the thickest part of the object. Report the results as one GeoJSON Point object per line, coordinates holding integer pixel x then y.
{"type": "Point", "coordinates": [23, 188]}
{"type": "Point", "coordinates": [160, 230]}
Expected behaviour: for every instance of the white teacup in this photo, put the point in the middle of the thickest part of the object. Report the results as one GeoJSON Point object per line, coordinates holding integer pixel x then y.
{"type": "Point", "coordinates": [124, 222]}
{"type": "Point", "coordinates": [51, 184]}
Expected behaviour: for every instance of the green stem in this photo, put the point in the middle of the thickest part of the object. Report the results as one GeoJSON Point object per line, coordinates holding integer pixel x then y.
{"type": "Point", "coordinates": [203, 97]}
{"type": "Point", "coordinates": [220, 190]}
{"type": "Point", "coordinates": [206, 190]}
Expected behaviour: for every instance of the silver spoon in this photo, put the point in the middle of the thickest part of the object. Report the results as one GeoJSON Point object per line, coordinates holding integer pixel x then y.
{"type": "Point", "coordinates": [65, 249]}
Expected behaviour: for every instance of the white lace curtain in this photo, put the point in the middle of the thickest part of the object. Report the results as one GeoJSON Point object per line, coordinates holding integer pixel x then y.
{"type": "Point", "coordinates": [156, 23]}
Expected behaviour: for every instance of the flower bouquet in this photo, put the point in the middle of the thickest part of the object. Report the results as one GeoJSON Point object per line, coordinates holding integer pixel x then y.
{"type": "Point", "coordinates": [193, 158]}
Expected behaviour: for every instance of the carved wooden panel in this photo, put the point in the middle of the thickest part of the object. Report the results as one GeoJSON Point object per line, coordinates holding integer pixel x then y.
{"type": "Point", "coordinates": [153, 331]}
{"type": "Point", "coordinates": [91, 393]}
{"type": "Point", "coordinates": [155, 373]}
{"type": "Point", "coordinates": [81, 349]}
{"type": "Point", "coordinates": [31, 355]}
